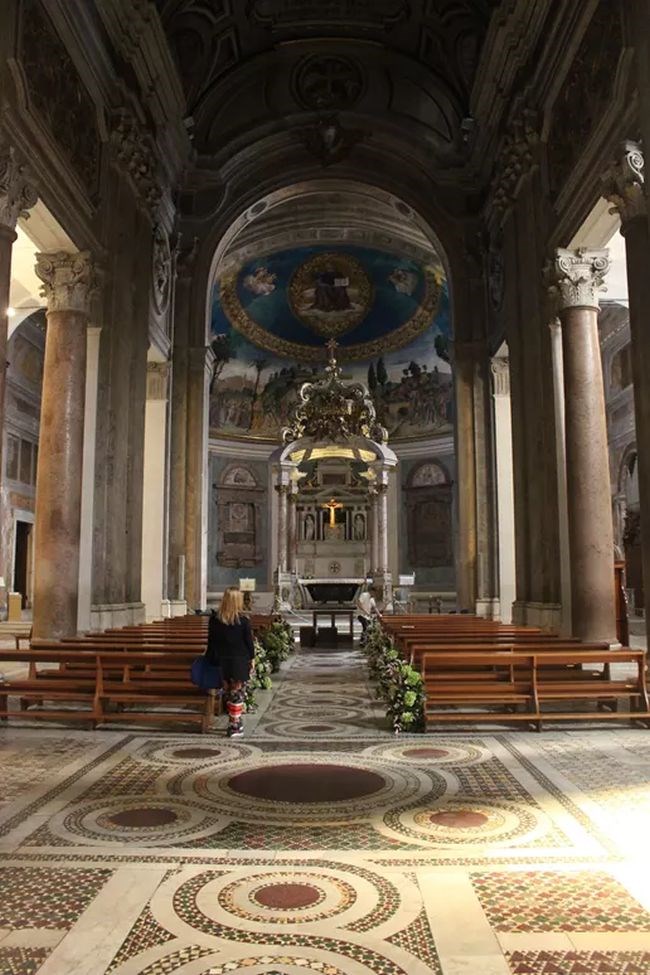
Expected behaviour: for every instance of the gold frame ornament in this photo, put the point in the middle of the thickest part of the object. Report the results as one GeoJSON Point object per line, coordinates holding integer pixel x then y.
{"type": "Point", "coordinates": [330, 293]}
{"type": "Point", "coordinates": [421, 320]}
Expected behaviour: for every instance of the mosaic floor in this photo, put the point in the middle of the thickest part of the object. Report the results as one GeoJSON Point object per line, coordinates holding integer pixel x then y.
{"type": "Point", "coordinates": [322, 843]}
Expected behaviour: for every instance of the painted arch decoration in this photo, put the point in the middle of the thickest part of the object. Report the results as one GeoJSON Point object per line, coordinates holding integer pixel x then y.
{"type": "Point", "coordinates": [272, 318]}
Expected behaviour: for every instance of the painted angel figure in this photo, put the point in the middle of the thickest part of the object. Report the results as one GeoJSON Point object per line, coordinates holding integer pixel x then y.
{"type": "Point", "coordinates": [261, 281]}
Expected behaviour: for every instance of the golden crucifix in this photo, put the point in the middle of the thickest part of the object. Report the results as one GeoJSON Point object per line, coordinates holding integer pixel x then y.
{"type": "Point", "coordinates": [332, 505]}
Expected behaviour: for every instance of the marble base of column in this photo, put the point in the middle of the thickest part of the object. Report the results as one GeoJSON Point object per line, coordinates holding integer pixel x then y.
{"type": "Point", "coordinates": [588, 486]}
{"type": "Point", "coordinates": [58, 484]}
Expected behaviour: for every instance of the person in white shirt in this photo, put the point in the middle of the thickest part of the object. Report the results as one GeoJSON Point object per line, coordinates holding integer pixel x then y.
{"type": "Point", "coordinates": [367, 610]}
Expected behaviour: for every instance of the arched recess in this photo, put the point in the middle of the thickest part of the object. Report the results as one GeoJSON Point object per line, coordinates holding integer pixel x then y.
{"type": "Point", "coordinates": [260, 178]}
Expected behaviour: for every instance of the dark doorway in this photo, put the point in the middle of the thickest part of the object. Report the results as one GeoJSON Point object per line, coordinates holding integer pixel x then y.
{"type": "Point", "coordinates": [22, 583]}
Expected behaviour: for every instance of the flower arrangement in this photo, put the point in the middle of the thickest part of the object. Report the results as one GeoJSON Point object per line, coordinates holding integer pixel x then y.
{"type": "Point", "coordinates": [278, 643]}
{"type": "Point", "coordinates": [260, 679]}
{"type": "Point", "coordinates": [399, 684]}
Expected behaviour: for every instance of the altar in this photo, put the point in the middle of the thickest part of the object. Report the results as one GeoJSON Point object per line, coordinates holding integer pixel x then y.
{"type": "Point", "coordinates": [329, 592]}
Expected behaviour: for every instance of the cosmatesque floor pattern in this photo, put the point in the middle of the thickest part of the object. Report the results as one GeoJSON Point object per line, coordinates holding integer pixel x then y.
{"type": "Point", "coordinates": [322, 843]}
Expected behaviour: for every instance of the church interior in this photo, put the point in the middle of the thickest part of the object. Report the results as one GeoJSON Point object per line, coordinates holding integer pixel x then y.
{"type": "Point", "coordinates": [338, 305]}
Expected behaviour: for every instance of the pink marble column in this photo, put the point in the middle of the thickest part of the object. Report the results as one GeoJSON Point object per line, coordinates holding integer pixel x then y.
{"type": "Point", "coordinates": [68, 285]}
{"type": "Point", "coordinates": [576, 279]}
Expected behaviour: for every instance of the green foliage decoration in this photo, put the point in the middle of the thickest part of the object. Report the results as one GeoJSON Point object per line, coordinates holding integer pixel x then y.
{"type": "Point", "coordinates": [278, 643]}
{"type": "Point", "coordinates": [399, 685]}
{"type": "Point", "coordinates": [260, 679]}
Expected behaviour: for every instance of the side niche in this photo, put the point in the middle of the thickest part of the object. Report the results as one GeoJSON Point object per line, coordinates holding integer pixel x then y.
{"type": "Point", "coordinates": [428, 494]}
{"type": "Point", "coordinates": [239, 500]}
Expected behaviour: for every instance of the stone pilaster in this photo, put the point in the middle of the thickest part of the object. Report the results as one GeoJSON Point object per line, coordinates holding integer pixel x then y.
{"type": "Point", "coordinates": [69, 283]}
{"type": "Point", "coordinates": [623, 185]}
{"type": "Point", "coordinates": [500, 373]}
{"type": "Point", "coordinates": [200, 366]}
{"type": "Point", "coordinates": [576, 278]}
{"type": "Point", "coordinates": [466, 552]}
{"type": "Point", "coordinates": [154, 494]}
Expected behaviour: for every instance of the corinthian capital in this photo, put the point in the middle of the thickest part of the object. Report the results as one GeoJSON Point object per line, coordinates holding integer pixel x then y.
{"type": "Point", "coordinates": [623, 183]}
{"type": "Point", "coordinates": [17, 194]}
{"type": "Point", "coordinates": [69, 280]}
{"type": "Point", "coordinates": [575, 277]}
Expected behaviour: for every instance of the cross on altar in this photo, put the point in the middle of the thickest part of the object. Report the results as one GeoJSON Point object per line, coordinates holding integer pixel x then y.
{"type": "Point", "coordinates": [332, 505]}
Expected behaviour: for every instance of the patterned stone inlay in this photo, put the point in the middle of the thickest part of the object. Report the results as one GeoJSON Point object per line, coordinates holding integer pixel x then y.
{"type": "Point", "coordinates": [21, 961]}
{"type": "Point", "coordinates": [558, 901]}
{"type": "Point", "coordinates": [308, 783]}
{"type": "Point", "coordinates": [579, 962]}
{"type": "Point", "coordinates": [36, 897]}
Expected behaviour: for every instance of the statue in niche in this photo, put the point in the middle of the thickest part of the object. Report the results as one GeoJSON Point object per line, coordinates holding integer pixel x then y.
{"type": "Point", "coordinates": [310, 528]}
{"type": "Point", "coordinates": [359, 527]}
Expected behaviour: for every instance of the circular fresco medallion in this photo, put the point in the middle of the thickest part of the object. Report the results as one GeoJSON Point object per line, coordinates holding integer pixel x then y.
{"type": "Point", "coordinates": [330, 293]}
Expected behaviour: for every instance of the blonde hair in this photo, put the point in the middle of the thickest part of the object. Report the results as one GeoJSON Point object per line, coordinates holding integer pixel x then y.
{"type": "Point", "coordinates": [231, 606]}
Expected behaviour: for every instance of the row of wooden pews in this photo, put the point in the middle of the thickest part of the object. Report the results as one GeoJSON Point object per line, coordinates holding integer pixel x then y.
{"type": "Point", "coordinates": [477, 670]}
{"type": "Point", "coordinates": [136, 674]}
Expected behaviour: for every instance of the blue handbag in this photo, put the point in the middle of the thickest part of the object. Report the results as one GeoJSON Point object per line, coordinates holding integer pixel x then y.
{"type": "Point", "coordinates": [205, 675]}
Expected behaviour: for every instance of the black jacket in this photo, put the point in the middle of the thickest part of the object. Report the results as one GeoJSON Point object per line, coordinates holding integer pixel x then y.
{"type": "Point", "coordinates": [231, 647]}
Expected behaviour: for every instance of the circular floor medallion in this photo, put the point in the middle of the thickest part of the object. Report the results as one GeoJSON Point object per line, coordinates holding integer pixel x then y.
{"type": "Point", "coordinates": [287, 897]}
{"type": "Point", "coordinates": [307, 783]}
{"type": "Point", "coordinates": [459, 819]}
{"type": "Point", "coordinates": [197, 753]}
{"type": "Point", "coordinates": [146, 817]}
{"type": "Point", "coordinates": [425, 752]}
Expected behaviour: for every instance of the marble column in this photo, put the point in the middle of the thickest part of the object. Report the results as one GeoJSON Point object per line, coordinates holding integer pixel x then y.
{"type": "Point", "coordinates": [374, 533]}
{"type": "Point", "coordinates": [292, 533]}
{"type": "Point", "coordinates": [382, 528]}
{"type": "Point", "coordinates": [68, 286]}
{"type": "Point", "coordinates": [623, 185]}
{"type": "Point", "coordinates": [562, 496]}
{"type": "Point", "coordinates": [576, 278]}
{"type": "Point", "coordinates": [500, 370]}
{"type": "Point", "coordinates": [283, 494]}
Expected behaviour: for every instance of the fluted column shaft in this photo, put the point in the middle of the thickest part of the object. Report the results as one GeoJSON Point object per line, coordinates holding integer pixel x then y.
{"type": "Point", "coordinates": [68, 284]}
{"type": "Point", "coordinates": [578, 277]}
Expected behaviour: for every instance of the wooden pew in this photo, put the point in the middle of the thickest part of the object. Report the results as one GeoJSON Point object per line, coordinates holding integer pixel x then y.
{"type": "Point", "coordinates": [143, 682]}
{"type": "Point", "coordinates": [530, 679]}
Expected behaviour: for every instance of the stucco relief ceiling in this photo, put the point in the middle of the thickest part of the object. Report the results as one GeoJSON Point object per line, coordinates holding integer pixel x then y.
{"type": "Point", "coordinates": [324, 56]}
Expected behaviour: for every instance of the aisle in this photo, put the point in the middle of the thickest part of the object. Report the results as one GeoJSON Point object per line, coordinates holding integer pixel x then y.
{"type": "Point", "coordinates": [322, 843]}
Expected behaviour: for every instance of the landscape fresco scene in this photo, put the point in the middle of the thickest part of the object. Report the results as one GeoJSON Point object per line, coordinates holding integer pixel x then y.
{"type": "Point", "coordinates": [254, 391]}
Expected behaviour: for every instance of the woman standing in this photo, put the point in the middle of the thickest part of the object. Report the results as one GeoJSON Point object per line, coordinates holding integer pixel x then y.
{"type": "Point", "coordinates": [230, 647]}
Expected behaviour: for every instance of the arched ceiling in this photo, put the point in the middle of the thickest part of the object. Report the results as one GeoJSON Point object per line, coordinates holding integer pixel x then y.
{"type": "Point", "coordinates": [256, 64]}
{"type": "Point", "coordinates": [327, 212]}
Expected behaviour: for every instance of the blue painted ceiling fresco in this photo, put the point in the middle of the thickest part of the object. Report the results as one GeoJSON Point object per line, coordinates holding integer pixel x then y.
{"type": "Point", "coordinates": [272, 319]}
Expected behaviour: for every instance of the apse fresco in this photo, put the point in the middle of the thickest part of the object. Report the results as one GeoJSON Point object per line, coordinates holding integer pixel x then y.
{"type": "Point", "coordinates": [272, 319]}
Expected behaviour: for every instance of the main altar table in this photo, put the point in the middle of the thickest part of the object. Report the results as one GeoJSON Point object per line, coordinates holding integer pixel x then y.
{"type": "Point", "coordinates": [333, 613]}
